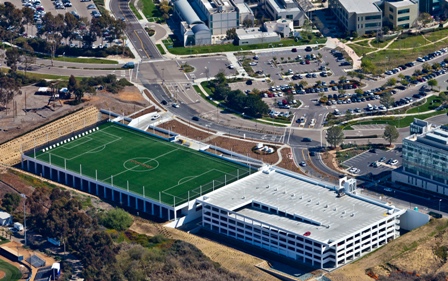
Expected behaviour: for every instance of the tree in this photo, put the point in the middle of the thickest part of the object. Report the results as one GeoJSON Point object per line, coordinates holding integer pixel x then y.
{"type": "Point", "coordinates": [342, 79]}
{"type": "Point", "coordinates": [360, 76]}
{"type": "Point", "coordinates": [10, 201]}
{"type": "Point", "coordinates": [303, 83]}
{"type": "Point", "coordinates": [79, 94]}
{"type": "Point", "coordinates": [387, 100]}
{"type": "Point", "coordinates": [231, 34]}
{"type": "Point", "coordinates": [348, 115]}
{"type": "Point", "coordinates": [425, 18]}
{"type": "Point", "coordinates": [335, 136]}
{"type": "Point", "coordinates": [12, 58]}
{"type": "Point", "coordinates": [117, 219]}
{"type": "Point", "coordinates": [352, 74]}
{"type": "Point", "coordinates": [390, 134]}
{"type": "Point", "coordinates": [72, 84]}
{"type": "Point", "coordinates": [28, 57]}
{"type": "Point", "coordinates": [426, 66]}
{"type": "Point", "coordinates": [432, 82]}
{"type": "Point", "coordinates": [391, 81]}
{"type": "Point", "coordinates": [248, 23]}
{"type": "Point", "coordinates": [165, 9]}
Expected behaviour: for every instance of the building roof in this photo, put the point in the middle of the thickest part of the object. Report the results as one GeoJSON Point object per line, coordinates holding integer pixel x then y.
{"type": "Point", "coordinates": [437, 138]}
{"type": "Point", "coordinates": [4, 215]}
{"type": "Point", "coordinates": [275, 5]}
{"type": "Point", "coordinates": [252, 34]}
{"type": "Point", "coordinates": [200, 27]}
{"type": "Point", "coordinates": [360, 7]}
{"type": "Point", "coordinates": [187, 12]}
{"type": "Point", "coordinates": [403, 3]}
{"type": "Point", "coordinates": [329, 217]}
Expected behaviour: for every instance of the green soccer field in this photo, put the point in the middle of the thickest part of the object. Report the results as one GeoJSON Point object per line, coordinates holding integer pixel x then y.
{"type": "Point", "coordinates": [146, 165]}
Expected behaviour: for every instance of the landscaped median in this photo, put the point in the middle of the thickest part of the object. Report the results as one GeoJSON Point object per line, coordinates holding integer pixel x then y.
{"type": "Point", "coordinates": [206, 94]}
{"type": "Point", "coordinates": [194, 50]}
{"type": "Point", "coordinates": [399, 121]}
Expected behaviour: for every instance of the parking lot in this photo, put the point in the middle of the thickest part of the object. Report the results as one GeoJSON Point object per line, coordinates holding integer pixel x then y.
{"type": "Point", "coordinates": [364, 161]}
{"type": "Point", "coordinates": [296, 61]}
{"type": "Point", "coordinates": [79, 8]}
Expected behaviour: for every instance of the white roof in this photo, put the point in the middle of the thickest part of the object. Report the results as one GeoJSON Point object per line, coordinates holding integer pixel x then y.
{"type": "Point", "coordinates": [4, 215]}
{"type": "Point", "coordinates": [360, 6]}
{"type": "Point", "coordinates": [403, 3]}
{"type": "Point", "coordinates": [300, 198]}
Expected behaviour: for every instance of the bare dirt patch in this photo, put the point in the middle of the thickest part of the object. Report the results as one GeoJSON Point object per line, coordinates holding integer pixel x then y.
{"type": "Point", "coordinates": [2, 274]}
{"type": "Point", "coordinates": [414, 252]}
{"type": "Point", "coordinates": [33, 110]}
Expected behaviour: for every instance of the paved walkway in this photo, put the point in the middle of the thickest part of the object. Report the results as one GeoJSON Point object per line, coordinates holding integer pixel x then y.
{"type": "Point", "coordinates": [334, 42]}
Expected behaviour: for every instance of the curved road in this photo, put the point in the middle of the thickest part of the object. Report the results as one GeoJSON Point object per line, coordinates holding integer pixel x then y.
{"type": "Point", "coordinates": [143, 44]}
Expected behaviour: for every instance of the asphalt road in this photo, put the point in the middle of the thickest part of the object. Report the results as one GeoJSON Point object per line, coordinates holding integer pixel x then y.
{"type": "Point", "coordinates": [135, 32]}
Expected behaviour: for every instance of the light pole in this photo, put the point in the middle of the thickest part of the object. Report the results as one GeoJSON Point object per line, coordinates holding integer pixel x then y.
{"type": "Point", "coordinates": [440, 201]}
{"type": "Point", "coordinates": [24, 216]}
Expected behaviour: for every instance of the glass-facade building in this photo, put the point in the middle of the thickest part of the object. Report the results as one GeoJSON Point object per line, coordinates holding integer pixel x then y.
{"type": "Point", "coordinates": [426, 154]}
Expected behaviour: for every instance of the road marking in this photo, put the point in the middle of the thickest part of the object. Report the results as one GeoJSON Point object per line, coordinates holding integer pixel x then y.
{"type": "Point", "coordinates": [141, 43]}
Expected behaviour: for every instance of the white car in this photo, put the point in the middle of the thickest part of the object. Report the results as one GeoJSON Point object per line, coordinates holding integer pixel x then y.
{"type": "Point", "coordinates": [387, 189]}
{"type": "Point", "coordinates": [253, 63]}
{"type": "Point", "coordinates": [175, 105]}
{"type": "Point", "coordinates": [394, 162]}
{"type": "Point", "coordinates": [157, 116]}
{"type": "Point", "coordinates": [231, 66]}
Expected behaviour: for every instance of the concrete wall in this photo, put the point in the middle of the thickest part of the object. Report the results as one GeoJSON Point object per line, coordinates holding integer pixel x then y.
{"type": "Point", "coordinates": [413, 219]}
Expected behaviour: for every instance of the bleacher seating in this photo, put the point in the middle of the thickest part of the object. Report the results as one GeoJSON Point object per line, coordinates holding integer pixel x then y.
{"type": "Point", "coordinates": [10, 152]}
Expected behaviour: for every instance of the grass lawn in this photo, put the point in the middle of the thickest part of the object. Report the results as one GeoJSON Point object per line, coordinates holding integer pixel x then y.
{"type": "Point", "coordinates": [399, 122]}
{"type": "Point", "coordinates": [132, 160]}
{"type": "Point", "coordinates": [431, 103]}
{"type": "Point", "coordinates": [436, 35]}
{"type": "Point", "coordinates": [86, 60]}
{"type": "Point", "coordinates": [233, 48]}
{"type": "Point", "coordinates": [135, 11]}
{"type": "Point", "coordinates": [161, 49]}
{"type": "Point", "coordinates": [361, 50]}
{"type": "Point", "coordinates": [12, 272]}
{"type": "Point", "coordinates": [150, 10]}
{"type": "Point", "coordinates": [40, 75]}
{"type": "Point", "coordinates": [409, 42]}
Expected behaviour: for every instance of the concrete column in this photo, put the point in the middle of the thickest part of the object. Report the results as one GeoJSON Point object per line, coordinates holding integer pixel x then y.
{"type": "Point", "coordinates": [160, 211]}
{"type": "Point", "coordinates": [144, 206]}
{"type": "Point", "coordinates": [88, 187]}
{"type": "Point", "coordinates": [59, 175]}
{"type": "Point", "coordinates": [136, 203]}
{"type": "Point", "coordinates": [152, 209]}
{"type": "Point", "coordinates": [129, 201]}
{"type": "Point", "coordinates": [112, 195]}
{"type": "Point", "coordinates": [97, 189]}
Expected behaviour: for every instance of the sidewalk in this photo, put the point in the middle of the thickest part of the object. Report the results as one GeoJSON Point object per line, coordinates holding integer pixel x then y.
{"type": "Point", "coordinates": [334, 42]}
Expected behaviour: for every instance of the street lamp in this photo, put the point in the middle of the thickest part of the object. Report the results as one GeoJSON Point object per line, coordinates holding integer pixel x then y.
{"type": "Point", "coordinates": [440, 201]}
{"type": "Point", "coordinates": [24, 216]}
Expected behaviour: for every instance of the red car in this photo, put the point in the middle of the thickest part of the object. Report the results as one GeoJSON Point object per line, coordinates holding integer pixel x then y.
{"type": "Point", "coordinates": [307, 62]}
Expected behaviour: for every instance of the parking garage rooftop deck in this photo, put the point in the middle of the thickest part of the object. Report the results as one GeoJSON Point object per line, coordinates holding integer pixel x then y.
{"type": "Point", "coordinates": [303, 206]}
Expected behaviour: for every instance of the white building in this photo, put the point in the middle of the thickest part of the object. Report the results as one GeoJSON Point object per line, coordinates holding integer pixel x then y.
{"type": "Point", "coordinates": [285, 9]}
{"type": "Point", "coordinates": [281, 26]}
{"type": "Point", "coordinates": [300, 218]}
{"type": "Point", "coordinates": [252, 36]}
{"type": "Point", "coordinates": [193, 30]}
{"type": "Point", "coordinates": [401, 13]}
{"type": "Point", "coordinates": [425, 158]}
{"type": "Point", "coordinates": [5, 218]}
{"type": "Point", "coordinates": [359, 16]}
{"type": "Point", "coordinates": [219, 15]}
